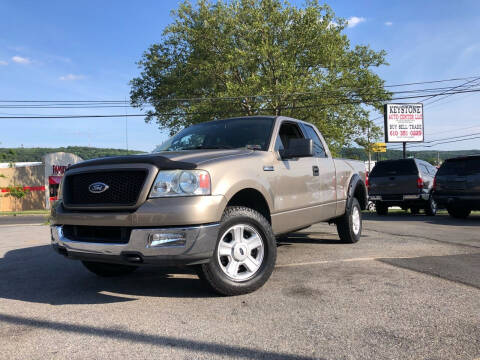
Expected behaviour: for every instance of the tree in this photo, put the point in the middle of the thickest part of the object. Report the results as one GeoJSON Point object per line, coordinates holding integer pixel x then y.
{"type": "Point", "coordinates": [249, 57]}
{"type": "Point", "coordinates": [17, 192]}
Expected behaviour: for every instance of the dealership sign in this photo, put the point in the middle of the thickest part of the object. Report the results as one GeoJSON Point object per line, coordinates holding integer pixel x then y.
{"type": "Point", "coordinates": [403, 122]}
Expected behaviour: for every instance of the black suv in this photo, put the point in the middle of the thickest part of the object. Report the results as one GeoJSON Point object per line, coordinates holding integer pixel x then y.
{"type": "Point", "coordinates": [406, 183]}
{"type": "Point", "coordinates": [457, 186]}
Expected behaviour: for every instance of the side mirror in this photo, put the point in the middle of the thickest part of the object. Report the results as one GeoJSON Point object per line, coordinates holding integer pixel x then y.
{"type": "Point", "coordinates": [297, 148]}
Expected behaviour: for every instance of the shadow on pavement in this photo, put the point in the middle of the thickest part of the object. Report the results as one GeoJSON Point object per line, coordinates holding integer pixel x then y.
{"type": "Point", "coordinates": [442, 219]}
{"type": "Point", "coordinates": [464, 268]}
{"type": "Point", "coordinates": [38, 274]}
{"type": "Point", "coordinates": [307, 237]}
{"type": "Point", "coordinates": [156, 340]}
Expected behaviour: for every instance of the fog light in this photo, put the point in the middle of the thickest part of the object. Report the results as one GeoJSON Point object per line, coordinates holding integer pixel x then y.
{"type": "Point", "coordinates": [166, 239]}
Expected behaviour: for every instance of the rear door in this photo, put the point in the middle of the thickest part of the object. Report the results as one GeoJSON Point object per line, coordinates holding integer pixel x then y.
{"type": "Point", "coordinates": [394, 177]}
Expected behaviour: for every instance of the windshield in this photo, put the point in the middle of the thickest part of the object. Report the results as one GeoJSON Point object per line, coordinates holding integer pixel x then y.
{"type": "Point", "coordinates": [460, 167]}
{"type": "Point", "coordinates": [395, 167]}
{"type": "Point", "coordinates": [234, 133]}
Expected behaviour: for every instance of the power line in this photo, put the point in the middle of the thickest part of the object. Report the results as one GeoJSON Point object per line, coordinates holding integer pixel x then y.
{"type": "Point", "coordinates": [80, 105]}
{"type": "Point", "coordinates": [113, 102]}
{"type": "Point", "coordinates": [229, 112]}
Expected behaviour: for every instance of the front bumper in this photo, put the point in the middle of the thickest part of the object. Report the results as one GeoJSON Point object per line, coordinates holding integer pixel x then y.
{"type": "Point", "coordinates": [179, 246]}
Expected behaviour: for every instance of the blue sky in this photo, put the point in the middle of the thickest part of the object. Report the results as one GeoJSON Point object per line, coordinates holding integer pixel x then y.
{"type": "Point", "coordinates": [63, 50]}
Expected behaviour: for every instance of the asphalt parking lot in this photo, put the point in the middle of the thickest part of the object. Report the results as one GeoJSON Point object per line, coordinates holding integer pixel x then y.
{"type": "Point", "coordinates": [410, 289]}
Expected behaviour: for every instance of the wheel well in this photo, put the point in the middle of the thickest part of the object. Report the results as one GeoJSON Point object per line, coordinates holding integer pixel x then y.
{"type": "Point", "coordinates": [252, 199]}
{"type": "Point", "coordinates": [361, 194]}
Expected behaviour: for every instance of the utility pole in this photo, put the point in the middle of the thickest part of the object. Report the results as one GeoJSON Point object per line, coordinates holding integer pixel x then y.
{"type": "Point", "coordinates": [404, 150]}
{"type": "Point", "coordinates": [126, 125]}
{"type": "Point", "coordinates": [368, 147]}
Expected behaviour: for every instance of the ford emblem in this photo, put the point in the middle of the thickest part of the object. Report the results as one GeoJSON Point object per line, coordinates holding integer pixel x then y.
{"type": "Point", "coordinates": [98, 187]}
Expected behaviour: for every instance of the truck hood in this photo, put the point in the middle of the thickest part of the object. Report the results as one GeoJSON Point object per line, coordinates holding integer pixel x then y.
{"type": "Point", "coordinates": [185, 160]}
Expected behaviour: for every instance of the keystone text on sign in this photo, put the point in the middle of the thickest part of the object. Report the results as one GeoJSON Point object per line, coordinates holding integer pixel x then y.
{"type": "Point", "coordinates": [403, 122]}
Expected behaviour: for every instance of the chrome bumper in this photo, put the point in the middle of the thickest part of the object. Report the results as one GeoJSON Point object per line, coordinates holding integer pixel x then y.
{"type": "Point", "coordinates": [161, 246]}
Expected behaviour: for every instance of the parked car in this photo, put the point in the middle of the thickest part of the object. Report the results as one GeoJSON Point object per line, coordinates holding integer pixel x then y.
{"type": "Point", "coordinates": [406, 183]}
{"type": "Point", "coordinates": [215, 197]}
{"type": "Point", "coordinates": [457, 186]}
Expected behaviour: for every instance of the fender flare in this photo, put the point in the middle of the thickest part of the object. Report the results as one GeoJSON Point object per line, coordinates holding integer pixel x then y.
{"type": "Point", "coordinates": [355, 183]}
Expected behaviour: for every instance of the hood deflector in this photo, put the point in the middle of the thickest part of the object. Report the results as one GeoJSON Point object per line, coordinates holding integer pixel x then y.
{"type": "Point", "coordinates": [159, 161]}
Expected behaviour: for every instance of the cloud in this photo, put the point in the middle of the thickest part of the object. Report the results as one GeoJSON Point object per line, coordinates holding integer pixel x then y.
{"type": "Point", "coordinates": [354, 21]}
{"type": "Point", "coordinates": [20, 60]}
{"type": "Point", "coordinates": [388, 23]}
{"type": "Point", "coordinates": [3, 63]}
{"type": "Point", "coordinates": [71, 77]}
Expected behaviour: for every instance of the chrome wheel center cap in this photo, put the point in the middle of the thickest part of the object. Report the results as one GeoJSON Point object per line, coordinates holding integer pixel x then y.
{"type": "Point", "coordinates": [240, 252]}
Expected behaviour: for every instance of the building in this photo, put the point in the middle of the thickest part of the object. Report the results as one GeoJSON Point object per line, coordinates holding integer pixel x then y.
{"type": "Point", "coordinates": [40, 179]}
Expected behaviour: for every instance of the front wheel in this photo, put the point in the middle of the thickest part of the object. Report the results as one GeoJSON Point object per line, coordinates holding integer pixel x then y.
{"type": "Point", "coordinates": [108, 270]}
{"type": "Point", "coordinates": [349, 226]}
{"type": "Point", "coordinates": [245, 254]}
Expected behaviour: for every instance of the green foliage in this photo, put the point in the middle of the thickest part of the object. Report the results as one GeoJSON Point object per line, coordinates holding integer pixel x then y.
{"type": "Point", "coordinates": [36, 154]}
{"type": "Point", "coordinates": [427, 155]}
{"type": "Point", "coordinates": [17, 192]}
{"type": "Point", "coordinates": [266, 57]}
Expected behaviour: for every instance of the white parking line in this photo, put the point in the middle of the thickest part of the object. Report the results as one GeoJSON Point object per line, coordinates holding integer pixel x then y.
{"type": "Point", "coordinates": [344, 260]}
{"type": "Point", "coordinates": [13, 225]}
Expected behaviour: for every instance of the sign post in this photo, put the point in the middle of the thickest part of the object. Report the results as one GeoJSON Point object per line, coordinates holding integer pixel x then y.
{"type": "Point", "coordinates": [403, 123]}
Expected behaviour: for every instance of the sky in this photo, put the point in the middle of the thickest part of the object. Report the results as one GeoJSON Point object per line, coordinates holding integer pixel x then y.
{"type": "Point", "coordinates": [65, 50]}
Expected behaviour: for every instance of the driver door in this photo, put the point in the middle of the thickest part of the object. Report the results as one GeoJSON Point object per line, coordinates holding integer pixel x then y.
{"type": "Point", "coordinates": [295, 184]}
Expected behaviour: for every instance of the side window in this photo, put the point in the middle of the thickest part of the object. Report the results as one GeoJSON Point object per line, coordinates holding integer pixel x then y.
{"type": "Point", "coordinates": [424, 170]}
{"type": "Point", "coordinates": [318, 149]}
{"type": "Point", "coordinates": [278, 144]}
{"type": "Point", "coordinates": [287, 132]}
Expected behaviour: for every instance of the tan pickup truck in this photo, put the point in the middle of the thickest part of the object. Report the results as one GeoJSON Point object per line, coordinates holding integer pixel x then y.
{"type": "Point", "coordinates": [214, 196]}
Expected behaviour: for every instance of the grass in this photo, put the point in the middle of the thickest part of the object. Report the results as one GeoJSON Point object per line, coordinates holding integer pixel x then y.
{"type": "Point", "coordinates": [26, 212]}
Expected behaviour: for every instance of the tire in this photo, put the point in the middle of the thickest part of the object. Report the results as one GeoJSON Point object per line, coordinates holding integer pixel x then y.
{"type": "Point", "coordinates": [458, 212]}
{"type": "Point", "coordinates": [371, 206]}
{"type": "Point", "coordinates": [381, 209]}
{"type": "Point", "coordinates": [431, 209]}
{"type": "Point", "coordinates": [245, 254]}
{"type": "Point", "coordinates": [414, 210]}
{"type": "Point", "coordinates": [349, 226]}
{"type": "Point", "coordinates": [108, 270]}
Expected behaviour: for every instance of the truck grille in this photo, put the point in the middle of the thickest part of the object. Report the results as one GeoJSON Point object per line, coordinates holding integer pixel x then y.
{"type": "Point", "coordinates": [97, 234]}
{"type": "Point", "coordinates": [124, 187]}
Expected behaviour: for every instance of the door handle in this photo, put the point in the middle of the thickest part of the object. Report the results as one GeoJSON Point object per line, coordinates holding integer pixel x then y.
{"type": "Point", "coordinates": [315, 170]}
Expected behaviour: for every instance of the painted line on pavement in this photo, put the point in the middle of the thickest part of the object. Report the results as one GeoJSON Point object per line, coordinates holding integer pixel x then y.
{"type": "Point", "coordinates": [345, 260]}
{"type": "Point", "coordinates": [14, 225]}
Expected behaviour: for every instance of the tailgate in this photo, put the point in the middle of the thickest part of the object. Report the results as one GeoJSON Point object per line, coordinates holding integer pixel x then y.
{"type": "Point", "coordinates": [401, 184]}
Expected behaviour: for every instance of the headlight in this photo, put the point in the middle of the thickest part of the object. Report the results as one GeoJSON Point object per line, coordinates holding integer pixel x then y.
{"type": "Point", "coordinates": [181, 183]}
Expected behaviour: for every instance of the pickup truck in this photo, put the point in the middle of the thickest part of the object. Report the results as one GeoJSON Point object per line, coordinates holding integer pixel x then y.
{"type": "Point", "coordinates": [215, 196]}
